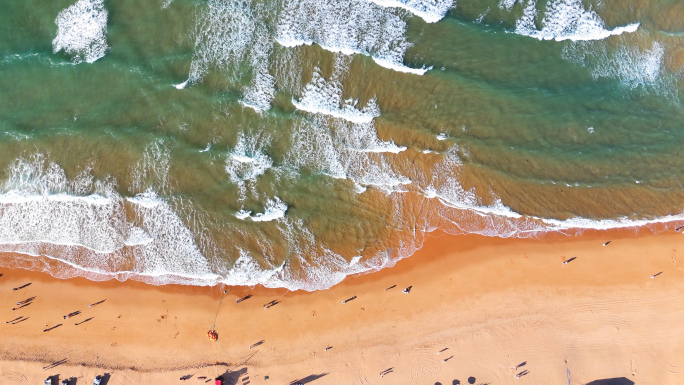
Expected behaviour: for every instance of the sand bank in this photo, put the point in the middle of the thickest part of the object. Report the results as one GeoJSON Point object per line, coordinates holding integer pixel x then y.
{"type": "Point", "coordinates": [491, 303]}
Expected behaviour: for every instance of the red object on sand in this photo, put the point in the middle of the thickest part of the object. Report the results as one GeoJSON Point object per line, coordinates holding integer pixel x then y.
{"type": "Point", "coordinates": [212, 335]}
{"type": "Point", "coordinates": [218, 381]}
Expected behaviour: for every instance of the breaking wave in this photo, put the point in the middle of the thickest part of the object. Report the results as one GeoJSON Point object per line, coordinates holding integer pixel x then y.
{"type": "Point", "coordinates": [325, 97]}
{"type": "Point", "coordinates": [563, 20]}
{"type": "Point", "coordinates": [431, 11]}
{"type": "Point", "coordinates": [348, 27]}
{"type": "Point", "coordinates": [633, 66]}
{"type": "Point", "coordinates": [82, 31]}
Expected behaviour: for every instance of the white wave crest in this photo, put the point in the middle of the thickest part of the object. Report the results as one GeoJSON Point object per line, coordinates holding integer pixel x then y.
{"type": "Point", "coordinates": [348, 27]}
{"type": "Point", "coordinates": [232, 37]}
{"type": "Point", "coordinates": [431, 11]}
{"type": "Point", "coordinates": [633, 66]}
{"type": "Point", "coordinates": [42, 213]}
{"type": "Point", "coordinates": [507, 4]}
{"type": "Point", "coordinates": [259, 94]}
{"type": "Point", "coordinates": [152, 170]}
{"type": "Point", "coordinates": [565, 20]}
{"type": "Point", "coordinates": [82, 31]}
{"type": "Point", "coordinates": [247, 161]}
{"type": "Point", "coordinates": [274, 209]}
{"type": "Point", "coordinates": [446, 187]}
{"type": "Point", "coordinates": [322, 96]}
{"type": "Point", "coordinates": [344, 150]}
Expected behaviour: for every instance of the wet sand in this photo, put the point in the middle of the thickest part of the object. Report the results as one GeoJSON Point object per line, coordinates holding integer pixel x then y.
{"type": "Point", "coordinates": [491, 303]}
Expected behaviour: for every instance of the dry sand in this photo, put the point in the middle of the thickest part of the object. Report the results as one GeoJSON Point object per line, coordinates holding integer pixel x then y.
{"type": "Point", "coordinates": [492, 303]}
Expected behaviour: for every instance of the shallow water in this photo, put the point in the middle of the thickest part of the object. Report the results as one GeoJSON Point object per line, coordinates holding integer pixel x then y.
{"type": "Point", "coordinates": [291, 143]}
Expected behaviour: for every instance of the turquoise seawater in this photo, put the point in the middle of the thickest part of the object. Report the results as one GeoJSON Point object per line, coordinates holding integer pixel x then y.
{"type": "Point", "coordinates": [294, 142]}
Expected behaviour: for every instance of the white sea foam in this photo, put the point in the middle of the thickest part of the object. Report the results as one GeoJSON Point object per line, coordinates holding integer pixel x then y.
{"type": "Point", "coordinates": [274, 209]}
{"type": "Point", "coordinates": [446, 187]}
{"type": "Point", "coordinates": [323, 96]}
{"type": "Point", "coordinates": [315, 149]}
{"type": "Point", "coordinates": [152, 170]}
{"type": "Point", "coordinates": [507, 4]}
{"type": "Point", "coordinates": [431, 11]}
{"type": "Point", "coordinates": [247, 160]}
{"type": "Point", "coordinates": [343, 149]}
{"type": "Point", "coordinates": [605, 224]}
{"type": "Point", "coordinates": [232, 37]}
{"type": "Point", "coordinates": [246, 271]}
{"type": "Point", "coordinates": [320, 269]}
{"type": "Point", "coordinates": [390, 63]}
{"type": "Point", "coordinates": [347, 26]}
{"type": "Point", "coordinates": [634, 67]}
{"type": "Point", "coordinates": [137, 237]}
{"type": "Point", "coordinates": [41, 214]}
{"type": "Point", "coordinates": [259, 94]}
{"type": "Point", "coordinates": [242, 214]}
{"type": "Point", "coordinates": [82, 31]}
{"type": "Point", "coordinates": [565, 20]}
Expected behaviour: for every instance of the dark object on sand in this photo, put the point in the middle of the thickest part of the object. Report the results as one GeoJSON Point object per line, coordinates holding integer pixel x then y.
{"type": "Point", "coordinates": [612, 381]}
{"type": "Point", "coordinates": [73, 314]}
{"type": "Point", "coordinates": [97, 380]}
{"type": "Point", "coordinates": [54, 327]}
{"type": "Point", "coordinates": [606, 244]}
{"type": "Point", "coordinates": [25, 301]}
{"type": "Point", "coordinates": [248, 296]}
{"type": "Point", "coordinates": [96, 303]}
{"type": "Point", "coordinates": [407, 290]}
{"type": "Point", "coordinates": [569, 260]}
{"type": "Point", "coordinates": [271, 304]}
{"type": "Point", "coordinates": [349, 299]}
{"type": "Point", "coordinates": [84, 321]}
{"type": "Point", "coordinates": [22, 286]}
{"type": "Point", "coordinates": [24, 305]}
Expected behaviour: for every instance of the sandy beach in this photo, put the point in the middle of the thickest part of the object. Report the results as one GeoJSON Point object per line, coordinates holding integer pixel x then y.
{"type": "Point", "coordinates": [478, 307]}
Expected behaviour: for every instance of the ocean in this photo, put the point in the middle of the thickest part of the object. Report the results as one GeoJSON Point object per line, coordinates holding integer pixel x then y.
{"type": "Point", "coordinates": [291, 143]}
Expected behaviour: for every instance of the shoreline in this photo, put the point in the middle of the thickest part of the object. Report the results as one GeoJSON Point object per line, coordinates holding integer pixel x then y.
{"type": "Point", "coordinates": [467, 291]}
{"type": "Point", "coordinates": [69, 270]}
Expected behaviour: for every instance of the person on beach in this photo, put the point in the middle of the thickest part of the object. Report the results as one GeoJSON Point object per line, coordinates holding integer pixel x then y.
{"type": "Point", "coordinates": [407, 290]}
{"type": "Point", "coordinates": [349, 299]}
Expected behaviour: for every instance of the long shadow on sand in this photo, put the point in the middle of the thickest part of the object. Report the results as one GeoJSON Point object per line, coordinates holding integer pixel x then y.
{"type": "Point", "coordinates": [310, 378]}
{"type": "Point", "coordinates": [232, 377]}
{"type": "Point", "coordinates": [612, 381]}
{"type": "Point", "coordinates": [105, 378]}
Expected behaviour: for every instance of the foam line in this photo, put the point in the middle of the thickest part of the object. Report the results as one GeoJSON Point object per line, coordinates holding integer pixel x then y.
{"type": "Point", "coordinates": [82, 31]}
{"type": "Point", "coordinates": [349, 27]}
{"type": "Point", "coordinates": [566, 20]}
{"type": "Point", "coordinates": [430, 11]}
